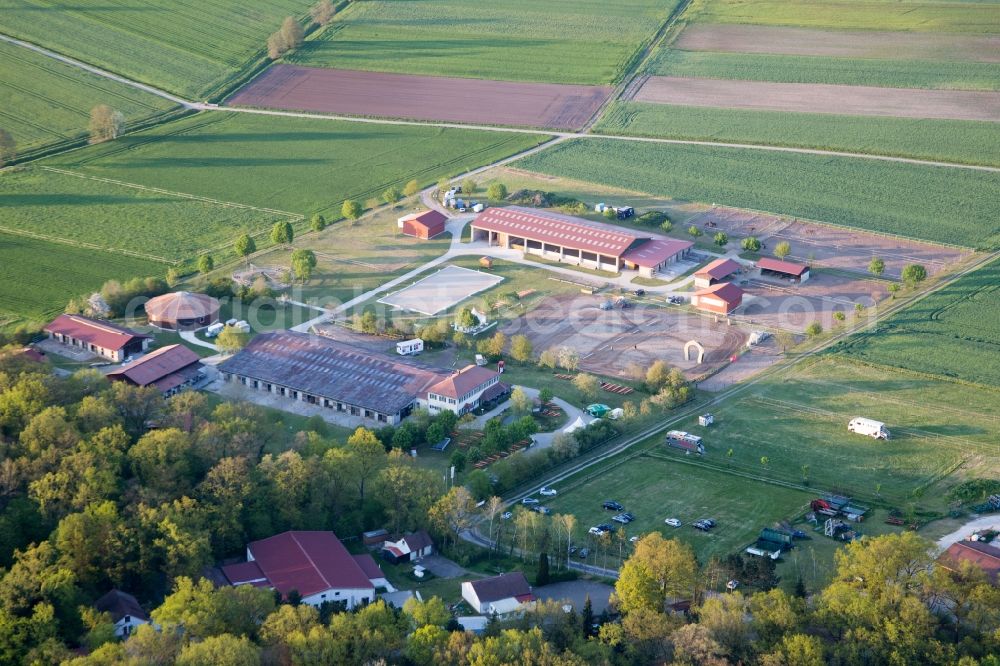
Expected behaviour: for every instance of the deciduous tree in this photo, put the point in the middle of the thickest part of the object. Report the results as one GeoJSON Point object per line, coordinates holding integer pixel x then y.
{"type": "Point", "coordinates": [913, 274]}
{"type": "Point", "coordinates": [876, 266]}
{"type": "Point", "coordinates": [303, 263]}
{"type": "Point", "coordinates": [322, 12]}
{"type": "Point", "coordinates": [782, 249]}
{"type": "Point", "coordinates": [351, 209]}
{"type": "Point", "coordinates": [750, 244]}
{"type": "Point", "coordinates": [496, 192]}
{"type": "Point", "coordinates": [411, 188]}
{"type": "Point", "coordinates": [245, 246]}
{"type": "Point", "coordinates": [282, 233]}
{"type": "Point", "coordinates": [231, 339]}
{"type": "Point", "coordinates": [105, 123]}
{"type": "Point", "coordinates": [586, 385]}
{"type": "Point", "coordinates": [205, 263]}
{"type": "Point", "coordinates": [521, 348]}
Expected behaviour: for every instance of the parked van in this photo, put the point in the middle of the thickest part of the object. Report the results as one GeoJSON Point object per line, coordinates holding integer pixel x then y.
{"type": "Point", "coordinates": [870, 427]}
{"type": "Point", "coordinates": [214, 329]}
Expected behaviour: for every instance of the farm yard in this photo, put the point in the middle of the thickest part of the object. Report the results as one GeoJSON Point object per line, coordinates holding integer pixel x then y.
{"type": "Point", "coordinates": [289, 164]}
{"type": "Point", "coordinates": [47, 102]}
{"type": "Point", "coordinates": [958, 141]}
{"type": "Point", "coordinates": [954, 332]}
{"type": "Point", "coordinates": [590, 42]}
{"type": "Point", "coordinates": [119, 217]}
{"type": "Point", "coordinates": [380, 94]}
{"type": "Point", "coordinates": [953, 206]}
{"type": "Point", "coordinates": [624, 342]}
{"type": "Point", "coordinates": [188, 48]}
{"type": "Point", "coordinates": [821, 98]}
{"type": "Point", "coordinates": [38, 277]}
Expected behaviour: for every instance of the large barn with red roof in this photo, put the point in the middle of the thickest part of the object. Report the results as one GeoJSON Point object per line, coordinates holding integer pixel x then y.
{"type": "Point", "coordinates": [314, 564]}
{"type": "Point", "coordinates": [105, 339]}
{"type": "Point", "coordinates": [572, 240]}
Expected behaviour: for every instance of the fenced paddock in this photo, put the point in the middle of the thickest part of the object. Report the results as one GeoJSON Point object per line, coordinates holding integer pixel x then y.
{"type": "Point", "coordinates": [441, 290]}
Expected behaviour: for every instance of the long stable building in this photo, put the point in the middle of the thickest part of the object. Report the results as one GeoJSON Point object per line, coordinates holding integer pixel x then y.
{"type": "Point", "coordinates": [115, 343]}
{"type": "Point", "coordinates": [572, 240]}
{"type": "Point", "coordinates": [345, 378]}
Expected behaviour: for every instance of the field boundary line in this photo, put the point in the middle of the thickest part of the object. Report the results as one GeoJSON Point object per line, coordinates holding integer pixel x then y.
{"type": "Point", "coordinates": [183, 195]}
{"type": "Point", "coordinates": [98, 71]}
{"type": "Point", "coordinates": [85, 244]}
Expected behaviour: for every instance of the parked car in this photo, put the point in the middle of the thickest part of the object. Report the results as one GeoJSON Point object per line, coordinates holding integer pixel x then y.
{"type": "Point", "coordinates": [628, 516]}
{"type": "Point", "coordinates": [529, 501]}
{"type": "Point", "coordinates": [583, 553]}
{"type": "Point", "coordinates": [548, 492]}
{"type": "Point", "coordinates": [606, 527]}
{"type": "Point", "coordinates": [544, 510]}
{"type": "Point", "coordinates": [633, 539]}
{"type": "Point", "coordinates": [595, 530]}
{"type": "Point", "coordinates": [673, 522]}
{"type": "Point", "coordinates": [620, 518]}
{"type": "Point", "coordinates": [732, 585]}
{"type": "Point", "coordinates": [705, 524]}
{"type": "Point", "coordinates": [640, 292]}
{"type": "Point", "coordinates": [612, 505]}
{"type": "Point", "coordinates": [506, 515]}
{"type": "Point", "coordinates": [675, 300]}
{"type": "Point", "coordinates": [572, 549]}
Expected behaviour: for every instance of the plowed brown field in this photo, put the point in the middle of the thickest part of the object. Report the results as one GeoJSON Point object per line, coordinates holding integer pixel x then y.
{"type": "Point", "coordinates": [382, 95]}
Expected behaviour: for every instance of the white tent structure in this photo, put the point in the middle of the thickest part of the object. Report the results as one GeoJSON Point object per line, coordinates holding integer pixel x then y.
{"type": "Point", "coordinates": [575, 425]}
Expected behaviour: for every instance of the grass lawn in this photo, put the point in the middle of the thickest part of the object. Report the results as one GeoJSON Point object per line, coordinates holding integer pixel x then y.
{"type": "Point", "coordinates": [183, 46]}
{"type": "Point", "coordinates": [654, 486]}
{"type": "Point", "coordinates": [940, 74]}
{"type": "Point", "coordinates": [942, 433]}
{"type": "Point", "coordinates": [961, 141]}
{"type": "Point", "coordinates": [115, 217]}
{"type": "Point", "coordinates": [961, 17]}
{"type": "Point", "coordinates": [38, 277]}
{"type": "Point", "coordinates": [955, 206]}
{"type": "Point", "coordinates": [586, 42]}
{"type": "Point", "coordinates": [954, 332]}
{"type": "Point", "coordinates": [46, 101]}
{"type": "Point", "coordinates": [290, 164]}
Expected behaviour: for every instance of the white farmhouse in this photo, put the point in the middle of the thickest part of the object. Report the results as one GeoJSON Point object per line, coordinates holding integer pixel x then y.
{"type": "Point", "coordinates": [500, 595]}
{"type": "Point", "coordinates": [465, 390]}
{"type": "Point", "coordinates": [124, 610]}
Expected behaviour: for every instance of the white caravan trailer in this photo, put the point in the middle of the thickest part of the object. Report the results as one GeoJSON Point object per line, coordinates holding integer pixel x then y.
{"type": "Point", "coordinates": [870, 427]}
{"type": "Point", "coordinates": [410, 347]}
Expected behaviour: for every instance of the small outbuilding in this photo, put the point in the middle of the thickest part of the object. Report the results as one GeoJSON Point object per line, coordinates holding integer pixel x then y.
{"type": "Point", "coordinates": [783, 270]}
{"type": "Point", "coordinates": [182, 310]}
{"type": "Point", "coordinates": [721, 298]}
{"type": "Point", "coordinates": [424, 225]}
{"type": "Point", "coordinates": [500, 595]}
{"type": "Point", "coordinates": [980, 555]}
{"type": "Point", "coordinates": [410, 548]}
{"type": "Point", "coordinates": [715, 272]}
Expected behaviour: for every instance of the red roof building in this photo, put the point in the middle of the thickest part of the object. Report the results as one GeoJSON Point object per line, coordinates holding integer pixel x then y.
{"type": "Point", "coordinates": [425, 225]}
{"type": "Point", "coordinates": [105, 339]}
{"type": "Point", "coordinates": [654, 255]}
{"type": "Point", "coordinates": [981, 555]}
{"type": "Point", "coordinates": [461, 391]}
{"type": "Point", "coordinates": [721, 298]}
{"type": "Point", "coordinates": [314, 564]}
{"type": "Point", "coordinates": [182, 310]}
{"type": "Point", "coordinates": [783, 269]}
{"type": "Point", "coordinates": [715, 272]}
{"type": "Point", "coordinates": [170, 369]}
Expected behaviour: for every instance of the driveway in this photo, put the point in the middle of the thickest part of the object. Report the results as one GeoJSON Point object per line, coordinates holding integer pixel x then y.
{"type": "Point", "coordinates": [542, 439]}
{"type": "Point", "coordinates": [441, 566]}
{"type": "Point", "coordinates": [575, 592]}
{"type": "Point", "coordinates": [984, 523]}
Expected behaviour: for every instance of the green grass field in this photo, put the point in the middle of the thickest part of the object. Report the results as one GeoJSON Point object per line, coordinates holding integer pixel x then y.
{"type": "Point", "coordinates": [37, 277]}
{"type": "Point", "coordinates": [115, 217]}
{"type": "Point", "coordinates": [954, 332]}
{"type": "Point", "coordinates": [290, 164]}
{"type": "Point", "coordinates": [945, 16]}
{"type": "Point", "coordinates": [654, 487]}
{"type": "Point", "coordinates": [956, 206]}
{"type": "Point", "coordinates": [47, 102]}
{"type": "Point", "coordinates": [183, 46]}
{"type": "Point", "coordinates": [586, 42]}
{"type": "Point", "coordinates": [815, 69]}
{"type": "Point", "coordinates": [964, 142]}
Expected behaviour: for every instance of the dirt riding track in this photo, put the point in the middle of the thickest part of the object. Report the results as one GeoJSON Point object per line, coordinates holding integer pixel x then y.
{"type": "Point", "coordinates": [829, 247]}
{"type": "Point", "coordinates": [821, 98]}
{"type": "Point", "coordinates": [610, 341]}
{"type": "Point", "coordinates": [774, 303]}
{"type": "Point", "coordinates": [839, 43]}
{"type": "Point", "coordinates": [381, 95]}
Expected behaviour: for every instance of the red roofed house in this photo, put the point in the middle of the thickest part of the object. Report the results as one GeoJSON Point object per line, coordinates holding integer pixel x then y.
{"type": "Point", "coordinates": [715, 272]}
{"type": "Point", "coordinates": [982, 555]}
{"type": "Point", "coordinates": [783, 269]}
{"type": "Point", "coordinates": [720, 299]}
{"type": "Point", "coordinates": [499, 595]}
{"type": "Point", "coordinates": [314, 564]}
{"type": "Point", "coordinates": [654, 255]}
{"type": "Point", "coordinates": [171, 369]}
{"type": "Point", "coordinates": [112, 342]}
{"type": "Point", "coordinates": [425, 225]}
{"type": "Point", "coordinates": [409, 548]}
{"type": "Point", "coordinates": [465, 390]}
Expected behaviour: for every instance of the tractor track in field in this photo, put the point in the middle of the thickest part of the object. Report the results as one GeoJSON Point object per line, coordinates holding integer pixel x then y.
{"type": "Point", "coordinates": [585, 134]}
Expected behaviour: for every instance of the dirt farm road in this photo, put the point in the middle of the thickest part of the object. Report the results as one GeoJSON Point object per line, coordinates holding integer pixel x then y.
{"type": "Point", "coordinates": [201, 106]}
